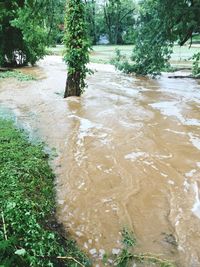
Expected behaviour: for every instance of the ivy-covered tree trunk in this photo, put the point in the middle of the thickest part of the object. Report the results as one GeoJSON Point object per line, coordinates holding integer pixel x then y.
{"type": "Point", "coordinates": [77, 48]}
{"type": "Point", "coordinates": [73, 85]}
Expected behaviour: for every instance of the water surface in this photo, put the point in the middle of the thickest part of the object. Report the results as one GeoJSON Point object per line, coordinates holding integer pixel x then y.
{"type": "Point", "coordinates": [128, 155]}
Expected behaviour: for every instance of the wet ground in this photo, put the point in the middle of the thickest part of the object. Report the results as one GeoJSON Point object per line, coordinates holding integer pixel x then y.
{"type": "Point", "coordinates": [128, 155]}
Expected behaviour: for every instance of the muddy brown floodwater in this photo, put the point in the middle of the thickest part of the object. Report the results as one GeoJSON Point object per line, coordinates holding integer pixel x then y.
{"type": "Point", "coordinates": [128, 155]}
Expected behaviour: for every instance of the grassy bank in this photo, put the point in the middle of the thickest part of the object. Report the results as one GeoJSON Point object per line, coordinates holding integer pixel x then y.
{"type": "Point", "coordinates": [29, 234]}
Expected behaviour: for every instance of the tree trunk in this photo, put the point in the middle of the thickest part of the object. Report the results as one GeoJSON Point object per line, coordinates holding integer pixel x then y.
{"type": "Point", "coordinates": [72, 87]}
{"type": "Point", "coordinates": [184, 77]}
{"type": "Point", "coordinates": [94, 23]}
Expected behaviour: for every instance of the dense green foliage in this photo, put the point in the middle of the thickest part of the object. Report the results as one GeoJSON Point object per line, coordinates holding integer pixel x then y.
{"type": "Point", "coordinates": [122, 63]}
{"type": "Point", "coordinates": [54, 21]}
{"type": "Point", "coordinates": [77, 47]}
{"type": "Point", "coordinates": [29, 234]}
{"type": "Point", "coordinates": [196, 65]}
{"type": "Point", "coordinates": [113, 19]}
{"type": "Point", "coordinates": [119, 21]}
{"type": "Point", "coordinates": [25, 30]}
{"type": "Point", "coordinates": [93, 23]}
{"type": "Point", "coordinates": [161, 24]}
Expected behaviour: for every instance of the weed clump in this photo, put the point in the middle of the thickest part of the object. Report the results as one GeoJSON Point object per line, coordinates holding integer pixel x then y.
{"type": "Point", "coordinates": [128, 257]}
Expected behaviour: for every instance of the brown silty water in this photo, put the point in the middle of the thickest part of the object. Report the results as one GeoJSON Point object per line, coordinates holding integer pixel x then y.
{"type": "Point", "coordinates": [128, 155]}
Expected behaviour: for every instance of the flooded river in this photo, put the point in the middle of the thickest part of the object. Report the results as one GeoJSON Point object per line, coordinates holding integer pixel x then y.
{"type": "Point", "coordinates": [128, 155]}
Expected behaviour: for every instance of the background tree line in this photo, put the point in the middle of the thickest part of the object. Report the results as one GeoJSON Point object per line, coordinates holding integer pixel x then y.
{"type": "Point", "coordinates": [153, 26]}
{"type": "Point", "coordinates": [112, 18]}
{"type": "Point", "coordinates": [28, 26]}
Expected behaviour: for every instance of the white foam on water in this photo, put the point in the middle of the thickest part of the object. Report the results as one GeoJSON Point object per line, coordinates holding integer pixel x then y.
{"type": "Point", "coordinates": [198, 164]}
{"type": "Point", "coordinates": [190, 173]}
{"type": "Point", "coordinates": [135, 155]}
{"type": "Point", "coordinates": [101, 253]}
{"type": "Point", "coordinates": [108, 171]}
{"type": "Point", "coordinates": [154, 167]}
{"type": "Point", "coordinates": [164, 156]}
{"type": "Point", "coordinates": [81, 185]}
{"type": "Point", "coordinates": [107, 200]}
{"type": "Point", "coordinates": [186, 185]}
{"type": "Point", "coordinates": [196, 206]}
{"type": "Point", "coordinates": [169, 108]}
{"type": "Point", "coordinates": [86, 128]}
{"type": "Point", "coordinates": [176, 132]}
{"type": "Point", "coordinates": [93, 251]}
{"type": "Point", "coordinates": [79, 234]}
{"type": "Point", "coordinates": [193, 122]}
{"type": "Point", "coordinates": [163, 174]}
{"type": "Point", "coordinates": [195, 140]}
{"type": "Point", "coordinates": [116, 251]}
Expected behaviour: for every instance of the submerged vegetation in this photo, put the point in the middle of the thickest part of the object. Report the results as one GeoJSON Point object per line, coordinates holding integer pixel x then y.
{"type": "Point", "coordinates": [29, 234]}
{"type": "Point", "coordinates": [16, 74]}
{"type": "Point", "coordinates": [127, 257]}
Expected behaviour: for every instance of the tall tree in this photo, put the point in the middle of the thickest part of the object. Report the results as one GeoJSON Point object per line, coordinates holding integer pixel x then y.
{"type": "Point", "coordinates": [24, 30]}
{"type": "Point", "coordinates": [118, 17]}
{"type": "Point", "coordinates": [162, 23]}
{"type": "Point", "coordinates": [54, 21]}
{"type": "Point", "coordinates": [77, 47]}
{"type": "Point", "coordinates": [91, 14]}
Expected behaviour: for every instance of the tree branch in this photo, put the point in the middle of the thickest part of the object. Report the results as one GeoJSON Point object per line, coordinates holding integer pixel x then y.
{"type": "Point", "coordinates": [127, 14]}
{"type": "Point", "coordinates": [4, 226]}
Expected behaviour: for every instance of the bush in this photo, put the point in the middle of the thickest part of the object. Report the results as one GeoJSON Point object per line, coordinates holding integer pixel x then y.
{"type": "Point", "coordinates": [23, 37]}
{"type": "Point", "coordinates": [121, 63]}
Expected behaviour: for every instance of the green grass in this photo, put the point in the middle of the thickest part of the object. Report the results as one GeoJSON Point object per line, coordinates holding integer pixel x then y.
{"type": "Point", "coordinates": [103, 54]}
{"type": "Point", "coordinates": [196, 39]}
{"type": "Point", "coordinates": [182, 55]}
{"type": "Point", "coordinates": [55, 50]}
{"type": "Point", "coordinates": [16, 74]}
{"type": "Point", "coordinates": [29, 234]}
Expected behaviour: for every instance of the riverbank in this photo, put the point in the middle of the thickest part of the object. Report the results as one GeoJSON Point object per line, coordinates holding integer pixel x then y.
{"type": "Point", "coordinates": [29, 233]}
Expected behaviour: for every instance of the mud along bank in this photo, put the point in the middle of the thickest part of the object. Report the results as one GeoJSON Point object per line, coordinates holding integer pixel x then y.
{"type": "Point", "coordinates": [128, 155]}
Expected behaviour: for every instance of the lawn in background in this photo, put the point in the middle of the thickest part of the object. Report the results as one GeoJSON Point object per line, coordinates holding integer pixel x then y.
{"type": "Point", "coordinates": [103, 54]}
